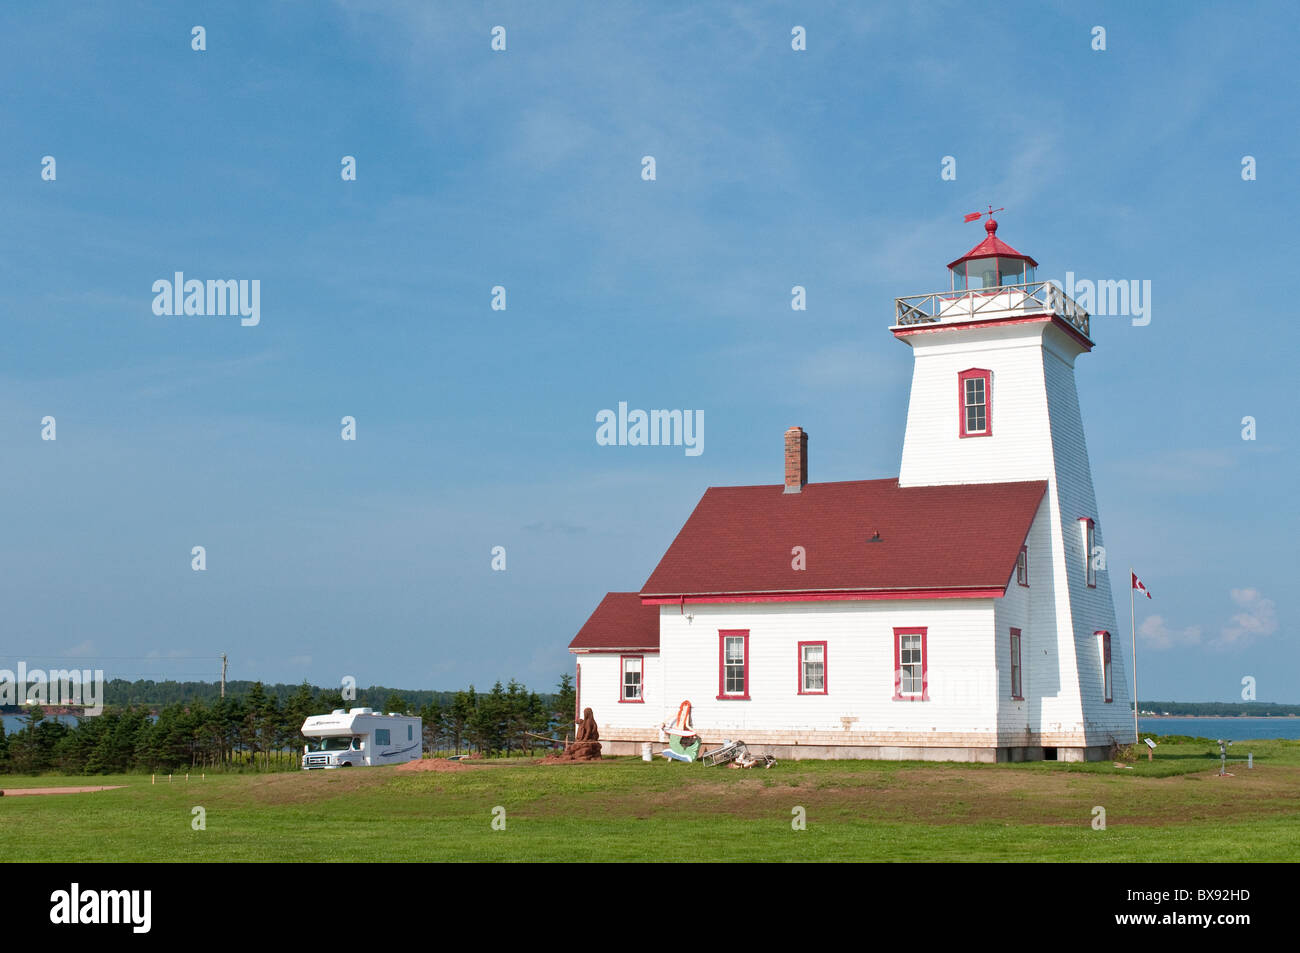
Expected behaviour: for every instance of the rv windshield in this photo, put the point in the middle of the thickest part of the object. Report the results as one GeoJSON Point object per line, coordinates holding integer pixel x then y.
{"type": "Point", "coordinates": [329, 744]}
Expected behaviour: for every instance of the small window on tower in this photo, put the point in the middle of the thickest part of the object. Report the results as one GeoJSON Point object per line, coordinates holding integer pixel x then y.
{"type": "Point", "coordinates": [1022, 566]}
{"type": "Point", "coordinates": [1089, 551]}
{"type": "Point", "coordinates": [1016, 691]}
{"type": "Point", "coordinates": [1107, 686]}
{"type": "Point", "coordinates": [974, 404]}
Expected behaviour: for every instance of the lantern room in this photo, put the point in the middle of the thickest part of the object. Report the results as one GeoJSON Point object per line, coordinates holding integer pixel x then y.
{"type": "Point", "coordinates": [990, 264]}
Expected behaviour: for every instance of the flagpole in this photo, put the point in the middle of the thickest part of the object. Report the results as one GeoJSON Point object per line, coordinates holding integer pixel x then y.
{"type": "Point", "coordinates": [1132, 621]}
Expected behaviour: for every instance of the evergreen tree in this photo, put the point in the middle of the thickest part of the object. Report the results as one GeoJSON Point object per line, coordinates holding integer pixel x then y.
{"type": "Point", "coordinates": [488, 724]}
{"type": "Point", "coordinates": [431, 716]}
{"type": "Point", "coordinates": [458, 717]}
{"type": "Point", "coordinates": [566, 701]}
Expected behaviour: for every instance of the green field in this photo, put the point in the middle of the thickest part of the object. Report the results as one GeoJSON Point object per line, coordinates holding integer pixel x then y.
{"type": "Point", "coordinates": [1174, 809]}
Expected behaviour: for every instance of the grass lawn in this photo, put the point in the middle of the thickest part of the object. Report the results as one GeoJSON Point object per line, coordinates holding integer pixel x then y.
{"type": "Point", "coordinates": [1173, 809]}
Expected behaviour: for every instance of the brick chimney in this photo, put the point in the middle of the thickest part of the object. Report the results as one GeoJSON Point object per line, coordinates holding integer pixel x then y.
{"type": "Point", "coordinates": [796, 460]}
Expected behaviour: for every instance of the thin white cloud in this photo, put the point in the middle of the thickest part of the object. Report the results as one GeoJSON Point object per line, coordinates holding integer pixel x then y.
{"type": "Point", "coordinates": [1257, 619]}
{"type": "Point", "coordinates": [1155, 633]}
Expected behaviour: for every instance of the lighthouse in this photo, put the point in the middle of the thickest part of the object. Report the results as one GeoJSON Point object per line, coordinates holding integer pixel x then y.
{"type": "Point", "coordinates": [960, 611]}
{"type": "Point", "coordinates": [993, 399]}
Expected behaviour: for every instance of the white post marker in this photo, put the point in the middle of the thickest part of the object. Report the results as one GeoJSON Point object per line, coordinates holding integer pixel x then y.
{"type": "Point", "coordinates": [1132, 623]}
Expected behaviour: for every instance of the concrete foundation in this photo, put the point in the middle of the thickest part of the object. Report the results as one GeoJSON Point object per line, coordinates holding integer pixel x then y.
{"type": "Point", "coordinates": [832, 752]}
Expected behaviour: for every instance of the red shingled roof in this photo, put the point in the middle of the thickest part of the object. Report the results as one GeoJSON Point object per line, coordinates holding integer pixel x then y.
{"type": "Point", "coordinates": [934, 539]}
{"type": "Point", "coordinates": [621, 621]}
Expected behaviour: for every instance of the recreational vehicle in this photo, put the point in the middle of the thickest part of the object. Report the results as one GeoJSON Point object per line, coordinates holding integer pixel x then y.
{"type": "Point", "coordinates": [345, 739]}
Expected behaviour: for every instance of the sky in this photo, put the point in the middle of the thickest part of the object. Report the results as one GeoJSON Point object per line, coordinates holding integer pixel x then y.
{"type": "Point", "coordinates": [522, 168]}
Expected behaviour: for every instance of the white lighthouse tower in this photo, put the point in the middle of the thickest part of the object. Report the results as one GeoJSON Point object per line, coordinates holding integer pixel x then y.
{"type": "Point", "coordinates": [994, 400]}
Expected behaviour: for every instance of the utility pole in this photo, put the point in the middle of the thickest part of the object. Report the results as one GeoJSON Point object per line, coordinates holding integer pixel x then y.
{"type": "Point", "coordinates": [223, 674]}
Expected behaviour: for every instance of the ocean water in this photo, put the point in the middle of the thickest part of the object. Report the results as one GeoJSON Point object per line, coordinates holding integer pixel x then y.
{"type": "Point", "coordinates": [1229, 729]}
{"type": "Point", "coordinates": [14, 723]}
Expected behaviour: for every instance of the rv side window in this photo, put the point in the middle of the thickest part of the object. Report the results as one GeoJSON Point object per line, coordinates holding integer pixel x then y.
{"type": "Point", "coordinates": [410, 732]}
{"type": "Point", "coordinates": [382, 736]}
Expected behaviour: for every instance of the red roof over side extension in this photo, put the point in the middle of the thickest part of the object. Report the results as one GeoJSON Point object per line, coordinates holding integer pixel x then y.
{"type": "Point", "coordinates": [934, 541]}
{"type": "Point", "coordinates": [621, 621]}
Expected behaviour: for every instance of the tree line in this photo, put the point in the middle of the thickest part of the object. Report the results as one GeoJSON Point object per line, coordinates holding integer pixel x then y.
{"type": "Point", "coordinates": [260, 730]}
{"type": "Point", "coordinates": [1221, 709]}
{"type": "Point", "coordinates": [155, 694]}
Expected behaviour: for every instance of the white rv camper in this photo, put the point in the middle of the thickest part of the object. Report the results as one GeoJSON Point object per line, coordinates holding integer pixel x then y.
{"type": "Point", "coordinates": [345, 739]}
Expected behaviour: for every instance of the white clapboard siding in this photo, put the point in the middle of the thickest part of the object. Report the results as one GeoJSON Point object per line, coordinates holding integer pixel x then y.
{"type": "Point", "coordinates": [859, 666]}
{"type": "Point", "coordinates": [1037, 433]}
{"type": "Point", "coordinates": [602, 680]}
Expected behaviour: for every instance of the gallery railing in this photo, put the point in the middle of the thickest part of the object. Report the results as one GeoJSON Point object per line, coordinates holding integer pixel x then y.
{"type": "Point", "coordinates": [1035, 296]}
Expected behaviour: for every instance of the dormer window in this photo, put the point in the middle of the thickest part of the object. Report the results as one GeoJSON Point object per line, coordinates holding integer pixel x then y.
{"type": "Point", "coordinates": [974, 405]}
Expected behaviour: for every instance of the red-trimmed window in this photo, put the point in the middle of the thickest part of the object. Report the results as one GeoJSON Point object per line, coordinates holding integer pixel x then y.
{"type": "Point", "coordinates": [1089, 544]}
{"type": "Point", "coordinates": [1017, 692]}
{"type": "Point", "coordinates": [911, 662]}
{"type": "Point", "coordinates": [812, 668]}
{"type": "Point", "coordinates": [632, 668]}
{"type": "Point", "coordinates": [974, 390]}
{"type": "Point", "coordinates": [733, 665]}
{"type": "Point", "coordinates": [1022, 566]}
{"type": "Point", "coordinates": [1106, 684]}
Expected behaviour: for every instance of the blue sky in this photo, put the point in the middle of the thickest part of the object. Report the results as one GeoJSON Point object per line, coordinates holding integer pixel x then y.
{"type": "Point", "coordinates": [476, 428]}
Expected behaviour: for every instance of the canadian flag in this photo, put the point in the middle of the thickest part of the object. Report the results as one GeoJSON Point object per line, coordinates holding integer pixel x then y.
{"type": "Point", "coordinates": [1137, 584]}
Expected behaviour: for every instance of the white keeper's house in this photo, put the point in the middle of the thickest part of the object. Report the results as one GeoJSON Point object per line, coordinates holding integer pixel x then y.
{"type": "Point", "coordinates": [959, 612]}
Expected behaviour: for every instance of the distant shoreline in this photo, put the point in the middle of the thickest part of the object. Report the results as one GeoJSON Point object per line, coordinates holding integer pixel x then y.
{"type": "Point", "coordinates": [1243, 717]}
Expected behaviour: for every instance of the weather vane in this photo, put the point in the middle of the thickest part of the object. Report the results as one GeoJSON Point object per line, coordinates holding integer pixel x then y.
{"type": "Point", "coordinates": [973, 216]}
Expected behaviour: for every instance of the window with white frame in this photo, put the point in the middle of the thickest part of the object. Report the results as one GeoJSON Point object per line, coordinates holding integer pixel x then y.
{"type": "Point", "coordinates": [633, 670]}
{"type": "Point", "coordinates": [812, 668]}
{"type": "Point", "coordinates": [910, 676]}
{"type": "Point", "coordinates": [973, 393]}
{"type": "Point", "coordinates": [1022, 566]}
{"type": "Point", "coordinates": [733, 664]}
{"type": "Point", "coordinates": [1016, 691]}
{"type": "Point", "coordinates": [1089, 545]}
{"type": "Point", "coordinates": [1107, 686]}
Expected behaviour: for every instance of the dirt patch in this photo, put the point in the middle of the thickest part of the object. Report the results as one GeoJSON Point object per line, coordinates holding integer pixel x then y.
{"type": "Point", "coordinates": [19, 792]}
{"type": "Point", "coordinates": [941, 796]}
{"type": "Point", "coordinates": [561, 759]}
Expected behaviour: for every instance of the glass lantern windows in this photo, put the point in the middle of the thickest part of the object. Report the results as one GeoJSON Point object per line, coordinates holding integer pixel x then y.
{"type": "Point", "coordinates": [1011, 271]}
{"type": "Point", "coordinates": [977, 273]}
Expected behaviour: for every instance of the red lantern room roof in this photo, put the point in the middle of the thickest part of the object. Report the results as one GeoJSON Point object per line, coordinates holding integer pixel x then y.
{"type": "Point", "coordinates": [991, 247]}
